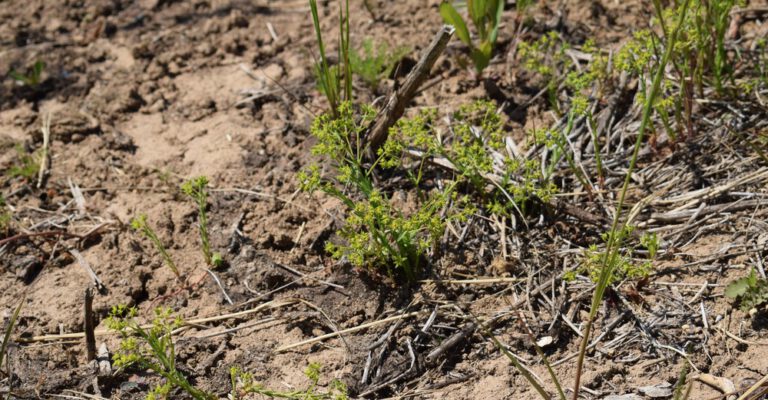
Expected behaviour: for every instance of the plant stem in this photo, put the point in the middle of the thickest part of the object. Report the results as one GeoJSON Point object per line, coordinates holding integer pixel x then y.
{"type": "Point", "coordinates": [611, 250]}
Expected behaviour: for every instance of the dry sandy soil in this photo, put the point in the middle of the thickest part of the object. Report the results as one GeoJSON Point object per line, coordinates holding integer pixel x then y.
{"type": "Point", "coordinates": [145, 94]}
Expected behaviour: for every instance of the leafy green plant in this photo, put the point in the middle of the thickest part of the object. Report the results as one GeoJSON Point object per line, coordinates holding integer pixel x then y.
{"type": "Point", "coordinates": [475, 147]}
{"type": "Point", "coordinates": [243, 384]}
{"type": "Point", "coordinates": [750, 291]}
{"type": "Point", "coordinates": [196, 189]}
{"type": "Point", "coordinates": [33, 75]}
{"type": "Point", "coordinates": [373, 62]}
{"type": "Point", "coordinates": [140, 225]}
{"type": "Point", "coordinates": [151, 347]}
{"type": "Point", "coordinates": [376, 234]}
{"type": "Point", "coordinates": [27, 166]}
{"type": "Point", "coordinates": [625, 267]}
{"type": "Point", "coordinates": [331, 78]}
{"type": "Point", "coordinates": [547, 58]}
{"type": "Point", "coordinates": [486, 17]}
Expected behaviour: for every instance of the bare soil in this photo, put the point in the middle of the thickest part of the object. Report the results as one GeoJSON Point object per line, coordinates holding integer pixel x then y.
{"type": "Point", "coordinates": [145, 94]}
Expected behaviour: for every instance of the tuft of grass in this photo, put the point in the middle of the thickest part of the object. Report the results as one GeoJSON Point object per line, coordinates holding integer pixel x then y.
{"type": "Point", "coordinates": [27, 165]}
{"type": "Point", "coordinates": [335, 82]}
{"type": "Point", "coordinates": [486, 17]}
{"type": "Point", "coordinates": [5, 217]}
{"type": "Point", "coordinates": [373, 63]}
{"type": "Point", "coordinates": [32, 77]}
{"type": "Point", "coordinates": [140, 224]}
{"type": "Point", "coordinates": [750, 291]}
{"type": "Point", "coordinates": [196, 189]}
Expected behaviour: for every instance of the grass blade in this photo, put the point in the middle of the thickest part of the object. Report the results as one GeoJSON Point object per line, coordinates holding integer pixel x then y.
{"type": "Point", "coordinates": [612, 247]}
{"type": "Point", "coordinates": [9, 329]}
{"type": "Point", "coordinates": [452, 17]}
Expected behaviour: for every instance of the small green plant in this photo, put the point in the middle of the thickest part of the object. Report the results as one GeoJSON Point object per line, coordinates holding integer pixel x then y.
{"type": "Point", "coordinates": [331, 78]}
{"type": "Point", "coordinates": [243, 384]}
{"type": "Point", "coordinates": [373, 63]}
{"type": "Point", "coordinates": [486, 17]}
{"type": "Point", "coordinates": [750, 291]}
{"type": "Point", "coordinates": [5, 217]}
{"type": "Point", "coordinates": [196, 189]}
{"type": "Point", "coordinates": [32, 77]}
{"type": "Point", "coordinates": [27, 166]}
{"type": "Point", "coordinates": [140, 225]}
{"type": "Point", "coordinates": [9, 330]}
{"type": "Point", "coordinates": [475, 148]}
{"type": "Point", "coordinates": [151, 348]}
{"type": "Point", "coordinates": [625, 267]}
{"type": "Point", "coordinates": [376, 233]}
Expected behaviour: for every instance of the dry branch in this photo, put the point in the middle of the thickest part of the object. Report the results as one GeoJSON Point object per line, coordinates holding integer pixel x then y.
{"type": "Point", "coordinates": [395, 107]}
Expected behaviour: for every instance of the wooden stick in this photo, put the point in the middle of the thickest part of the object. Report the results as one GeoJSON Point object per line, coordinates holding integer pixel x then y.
{"type": "Point", "coordinates": [90, 337]}
{"type": "Point", "coordinates": [395, 107]}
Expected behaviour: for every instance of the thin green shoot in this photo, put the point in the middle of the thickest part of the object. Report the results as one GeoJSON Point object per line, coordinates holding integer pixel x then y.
{"type": "Point", "coordinates": [196, 189]}
{"type": "Point", "coordinates": [9, 330]}
{"type": "Point", "coordinates": [140, 225]}
{"type": "Point", "coordinates": [330, 78]}
{"type": "Point", "coordinates": [512, 359]}
{"type": "Point", "coordinates": [613, 244]}
{"type": "Point", "coordinates": [542, 356]}
{"type": "Point", "coordinates": [32, 77]}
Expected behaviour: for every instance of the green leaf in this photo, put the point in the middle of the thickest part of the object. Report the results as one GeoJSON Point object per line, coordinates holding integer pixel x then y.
{"type": "Point", "coordinates": [499, 5]}
{"type": "Point", "coordinates": [452, 17]}
{"type": "Point", "coordinates": [481, 56]}
{"type": "Point", "coordinates": [737, 288]}
{"type": "Point", "coordinates": [477, 12]}
{"type": "Point", "coordinates": [9, 329]}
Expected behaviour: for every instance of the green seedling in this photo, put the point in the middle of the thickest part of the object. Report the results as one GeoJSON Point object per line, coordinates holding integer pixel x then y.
{"type": "Point", "coordinates": [335, 82]}
{"type": "Point", "coordinates": [32, 77]}
{"type": "Point", "coordinates": [140, 225]}
{"type": "Point", "coordinates": [196, 189]}
{"type": "Point", "coordinates": [373, 63]}
{"type": "Point", "coordinates": [625, 267]}
{"type": "Point", "coordinates": [27, 166]}
{"type": "Point", "coordinates": [376, 234]}
{"type": "Point", "coordinates": [5, 217]}
{"type": "Point", "coordinates": [486, 17]}
{"type": "Point", "coordinates": [151, 347]}
{"type": "Point", "coordinates": [244, 384]}
{"type": "Point", "coordinates": [750, 291]}
{"type": "Point", "coordinates": [9, 330]}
